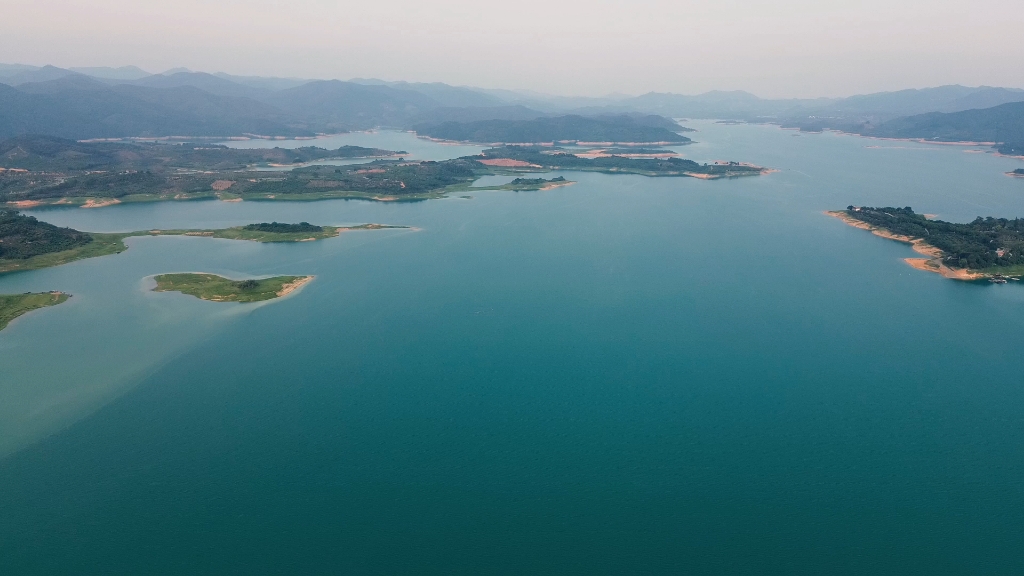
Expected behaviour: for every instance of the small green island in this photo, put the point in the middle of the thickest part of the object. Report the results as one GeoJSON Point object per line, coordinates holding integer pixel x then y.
{"type": "Point", "coordinates": [1018, 173]}
{"type": "Point", "coordinates": [29, 244]}
{"type": "Point", "coordinates": [14, 305]}
{"type": "Point", "coordinates": [219, 289]}
{"type": "Point", "coordinates": [986, 248]}
{"type": "Point", "coordinates": [530, 184]}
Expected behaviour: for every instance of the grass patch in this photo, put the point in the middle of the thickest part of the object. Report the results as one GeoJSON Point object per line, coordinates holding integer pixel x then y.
{"type": "Point", "coordinates": [1014, 271]}
{"type": "Point", "coordinates": [101, 245]}
{"type": "Point", "coordinates": [106, 244]}
{"type": "Point", "coordinates": [219, 289]}
{"type": "Point", "coordinates": [14, 305]}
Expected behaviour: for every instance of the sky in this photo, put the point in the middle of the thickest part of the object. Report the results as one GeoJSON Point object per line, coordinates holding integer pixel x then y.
{"type": "Point", "coordinates": [782, 48]}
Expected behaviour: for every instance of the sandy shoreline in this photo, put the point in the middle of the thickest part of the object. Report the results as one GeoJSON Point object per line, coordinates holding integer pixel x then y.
{"type": "Point", "coordinates": [293, 286]}
{"type": "Point", "coordinates": [554, 185]}
{"type": "Point", "coordinates": [933, 262]}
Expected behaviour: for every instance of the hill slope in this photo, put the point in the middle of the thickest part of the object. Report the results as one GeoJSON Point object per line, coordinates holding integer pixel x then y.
{"type": "Point", "coordinates": [80, 108]}
{"type": "Point", "coordinates": [1002, 124]}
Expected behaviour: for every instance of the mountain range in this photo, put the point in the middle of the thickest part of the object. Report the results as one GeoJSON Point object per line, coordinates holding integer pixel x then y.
{"type": "Point", "coordinates": [99, 102]}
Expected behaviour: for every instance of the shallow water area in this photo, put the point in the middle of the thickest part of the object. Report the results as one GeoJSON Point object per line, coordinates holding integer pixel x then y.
{"type": "Point", "coordinates": [627, 375]}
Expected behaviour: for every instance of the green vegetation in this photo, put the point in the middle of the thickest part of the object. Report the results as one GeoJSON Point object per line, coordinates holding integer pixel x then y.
{"type": "Point", "coordinates": [526, 184]}
{"type": "Point", "coordinates": [990, 245]}
{"type": "Point", "coordinates": [49, 154]}
{"type": "Point", "coordinates": [1018, 172]}
{"type": "Point", "coordinates": [22, 237]}
{"type": "Point", "coordinates": [219, 289]}
{"type": "Point", "coordinates": [101, 245]}
{"type": "Point", "coordinates": [281, 228]}
{"type": "Point", "coordinates": [638, 151]}
{"type": "Point", "coordinates": [532, 158]}
{"type": "Point", "coordinates": [52, 170]}
{"type": "Point", "coordinates": [32, 244]}
{"type": "Point", "coordinates": [103, 173]}
{"type": "Point", "coordinates": [562, 129]}
{"type": "Point", "coordinates": [255, 233]}
{"type": "Point", "coordinates": [14, 305]}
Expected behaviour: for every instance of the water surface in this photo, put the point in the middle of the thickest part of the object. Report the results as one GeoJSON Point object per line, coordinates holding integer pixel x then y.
{"type": "Point", "coordinates": [625, 376]}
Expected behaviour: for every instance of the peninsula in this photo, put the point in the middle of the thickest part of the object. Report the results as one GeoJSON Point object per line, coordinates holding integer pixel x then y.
{"type": "Point", "coordinates": [572, 129]}
{"type": "Point", "coordinates": [28, 244]}
{"type": "Point", "coordinates": [545, 158]}
{"type": "Point", "coordinates": [219, 289]}
{"type": "Point", "coordinates": [98, 174]}
{"type": "Point", "coordinates": [14, 305]}
{"type": "Point", "coordinates": [41, 170]}
{"type": "Point", "coordinates": [991, 248]}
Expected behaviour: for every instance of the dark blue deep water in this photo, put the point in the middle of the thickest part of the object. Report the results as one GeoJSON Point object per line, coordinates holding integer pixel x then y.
{"type": "Point", "coordinates": [625, 376]}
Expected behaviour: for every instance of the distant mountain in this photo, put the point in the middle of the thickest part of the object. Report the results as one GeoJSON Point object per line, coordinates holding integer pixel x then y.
{"type": "Point", "coordinates": [12, 69]}
{"type": "Point", "coordinates": [940, 99]}
{"type": "Point", "coordinates": [269, 83]}
{"type": "Point", "coordinates": [443, 94]}
{"type": "Point", "coordinates": [122, 73]}
{"type": "Point", "coordinates": [815, 113]}
{"type": "Point", "coordinates": [642, 119]}
{"type": "Point", "coordinates": [622, 129]}
{"type": "Point", "coordinates": [1003, 124]}
{"type": "Point", "coordinates": [79, 107]}
{"type": "Point", "coordinates": [329, 105]}
{"type": "Point", "coordinates": [37, 75]}
{"type": "Point", "coordinates": [472, 114]}
{"type": "Point", "coordinates": [203, 81]}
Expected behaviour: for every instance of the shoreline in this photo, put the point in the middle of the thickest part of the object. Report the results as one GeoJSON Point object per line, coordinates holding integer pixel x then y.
{"type": "Point", "coordinates": [296, 285]}
{"type": "Point", "coordinates": [933, 262]}
{"type": "Point", "coordinates": [547, 144]}
{"type": "Point", "coordinates": [554, 185]}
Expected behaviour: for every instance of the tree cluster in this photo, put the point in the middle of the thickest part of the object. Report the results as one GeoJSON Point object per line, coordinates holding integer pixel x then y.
{"type": "Point", "coordinates": [281, 228]}
{"type": "Point", "coordinates": [24, 237]}
{"type": "Point", "coordinates": [983, 243]}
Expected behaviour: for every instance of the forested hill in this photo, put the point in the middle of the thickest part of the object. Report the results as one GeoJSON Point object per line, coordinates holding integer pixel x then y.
{"type": "Point", "coordinates": [22, 237]}
{"type": "Point", "coordinates": [983, 243]}
{"type": "Point", "coordinates": [562, 129]}
{"type": "Point", "coordinates": [1002, 124]}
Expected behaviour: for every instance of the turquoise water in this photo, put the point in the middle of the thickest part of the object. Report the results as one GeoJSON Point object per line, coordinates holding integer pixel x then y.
{"type": "Point", "coordinates": [625, 376]}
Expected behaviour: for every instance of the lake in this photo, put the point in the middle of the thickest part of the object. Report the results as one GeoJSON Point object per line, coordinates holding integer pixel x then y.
{"type": "Point", "coordinates": [625, 376]}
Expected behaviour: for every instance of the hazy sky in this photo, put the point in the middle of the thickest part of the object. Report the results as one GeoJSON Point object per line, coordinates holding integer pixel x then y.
{"type": "Point", "coordinates": [780, 48]}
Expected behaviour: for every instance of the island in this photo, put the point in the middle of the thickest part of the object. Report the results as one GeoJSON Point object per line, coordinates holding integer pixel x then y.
{"type": "Point", "coordinates": [531, 184]}
{"type": "Point", "coordinates": [28, 244]}
{"type": "Point", "coordinates": [986, 248]}
{"type": "Point", "coordinates": [219, 289]}
{"type": "Point", "coordinates": [1018, 173]}
{"type": "Point", "coordinates": [14, 305]}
